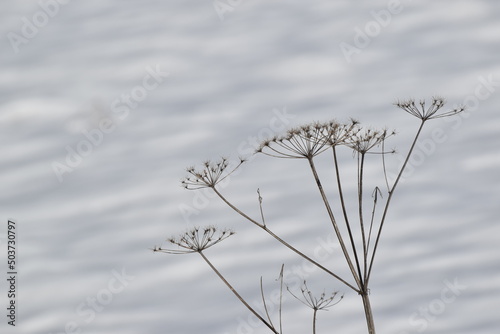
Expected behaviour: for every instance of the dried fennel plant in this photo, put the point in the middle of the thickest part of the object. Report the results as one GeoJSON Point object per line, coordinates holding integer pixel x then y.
{"type": "Point", "coordinates": [307, 142]}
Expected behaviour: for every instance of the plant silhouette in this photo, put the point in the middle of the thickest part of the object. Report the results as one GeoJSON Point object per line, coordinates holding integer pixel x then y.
{"type": "Point", "coordinates": [359, 240]}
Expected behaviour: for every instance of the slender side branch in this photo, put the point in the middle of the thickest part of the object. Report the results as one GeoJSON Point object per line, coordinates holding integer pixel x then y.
{"type": "Point", "coordinates": [391, 192]}
{"type": "Point", "coordinates": [270, 326]}
{"type": "Point", "coordinates": [281, 295]}
{"type": "Point", "coordinates": [334, 223]}
{"type": "Point", "coordinates": [241, 213]}
{"type": "Point", "coordinates": [264, 302]}
{"type": "Point", "coordinates": [383, 166]}
{"type": "Point", "coordinates": [260, 206]}
{"type": "Point", "coordinates": [361, 163]}
{"type": "Point", "coordinates": [376, 193]}
{"type": "Point", "coordinates": [283, 241]}
{"type": "Point", "coordinates": [344, 209]}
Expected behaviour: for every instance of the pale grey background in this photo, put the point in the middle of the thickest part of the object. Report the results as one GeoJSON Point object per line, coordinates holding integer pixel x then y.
{"type": "Point", "coordinates": [227, 79]}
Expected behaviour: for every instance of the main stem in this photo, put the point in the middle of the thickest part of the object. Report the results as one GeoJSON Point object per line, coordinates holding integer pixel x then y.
{"type": "Point", "coordinates": [314, 320]}
{"type": "Point", "coordinates": [368, 312]}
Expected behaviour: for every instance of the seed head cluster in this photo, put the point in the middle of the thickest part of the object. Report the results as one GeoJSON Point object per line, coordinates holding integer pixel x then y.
{"type": "Point", "coordinates": [210, 175]}
{"type": "Point", "coordinates": [419, 109]}
{"type": "Point", "coordinates": [321, 303]}
{"type": "Point", "coordinates": [339, 133]}
{"type": "Point", "coordinates": [365, 140]}
{"type": "Point", "coordinates": [196, 240]}
{"type": "Point", "coordinates": [310, 140]}
{"type": "Point", "coordinates": [305, 141]}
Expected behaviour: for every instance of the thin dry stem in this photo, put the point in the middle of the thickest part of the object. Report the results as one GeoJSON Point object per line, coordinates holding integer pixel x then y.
{"type": "Point", "coordinates": [242, 300]}
{"type": "Point", "coordinates": [281, 276]}
{"type": "Point", "coordinates": [334, 224]}
{"type": "Point", "coordinates": [264, 302]}
{"type": "Point", "coordinates": [260, 207]}
{"type": "Point", "coordinates": [344, 209]}
{"type": "Point", "coordinates": [283, 242]}
{"type": "Point", "coordinates": [391, 193]}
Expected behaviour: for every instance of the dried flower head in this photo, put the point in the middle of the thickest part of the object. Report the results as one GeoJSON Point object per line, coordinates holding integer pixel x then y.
{"type": "Point", "coordinates": [210, 175]}
{"type": "Point", "coordinates": [338, 133]}
{"type": "Point", "coordinates": [364, 140]}
{"type": "Point", "coordinates": [305, 141]}
{"type": "Point", "coordinates": [196, 240]}
{"type": "Point", "coordinates": [420, 111]}
{"type": "Point", "coordinates": [321, 303]}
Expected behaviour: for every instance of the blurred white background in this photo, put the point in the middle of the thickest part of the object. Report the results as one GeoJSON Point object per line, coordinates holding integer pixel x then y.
{"type": "Point", "coordinates": [160, 86]}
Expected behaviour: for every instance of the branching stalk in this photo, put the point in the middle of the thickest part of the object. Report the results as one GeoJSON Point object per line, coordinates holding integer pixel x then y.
{"type": "Point", "coordinates": [283, 242]}
{"type": "Point", "coordinates": [306, 142]}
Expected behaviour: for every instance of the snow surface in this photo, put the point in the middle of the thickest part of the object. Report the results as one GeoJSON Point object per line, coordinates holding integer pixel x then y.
{"type": "Point", "coordinates": [228, 80]}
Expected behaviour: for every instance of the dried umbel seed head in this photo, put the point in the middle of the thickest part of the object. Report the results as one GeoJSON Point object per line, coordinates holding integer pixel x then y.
{"type": "Point", "coordinates": [305, 141]}
{"type": "Point", "coordinates": [322, 303]}
{"type": "Point", "coordinates": [420, 111]}
{"type": "Point", "coordinates": [337, 134]}
{"type": "Point", "coordinates": [196, 240]}
{"type": "Point", "coordinates": [366, 139]}
{"type": "Point", "coordinates": [309, 140]}
{"type": "Point", "coordinates": [211, 173]}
